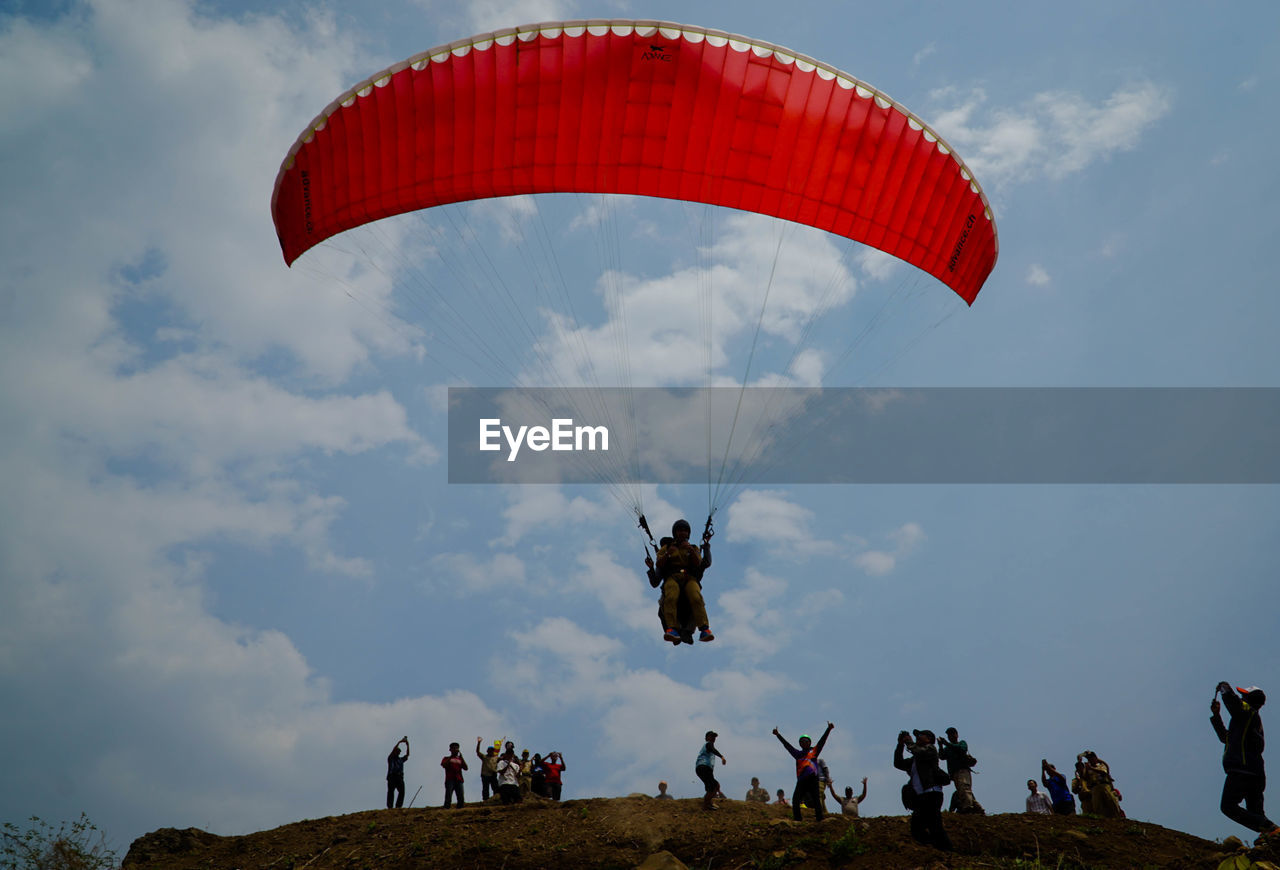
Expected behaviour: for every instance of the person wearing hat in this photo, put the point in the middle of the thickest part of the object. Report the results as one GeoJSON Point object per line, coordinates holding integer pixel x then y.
{"type": "Point", "coordinates": [923, 793]}
{"type": "Point", "coordinates": [681, 566]}
{"type": "Point", "coordinates": [704, 767]}
{"type": "Point", "coordinates": [1104, 797]}
{"type": "Point", "coordinates": [807, 772]}
{"type": "Point", "coordinates": [1243, 742]}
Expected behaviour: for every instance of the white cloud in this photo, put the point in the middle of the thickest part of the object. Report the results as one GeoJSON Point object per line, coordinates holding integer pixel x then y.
{"type": "Point", "coordinates": [486, 15]}
{"type": "Point", "coordinates": [124, 671]}
{"type": "Point", "coordinates": [163, 378]}
{"type": "Point", "coordinates": [907, 537]}
{"type": "Point", "coordinates": [538, 507]}
{"type": "Point", "coordinates": [770, 516]}
{"type": "Point", "coordinates": [625, 595]}
{"type": "Point", "coordinates": [1037, 275]}
{"type": "Point", "coordinates": [663, 321]}
{"type": "Point", "coordinates": [905, 540]}
{"type": "Point", "coordinates": [1053, 135]}
{"type": "Point", "coordinates": [754, 623]}
{"type": "Point", "coordinates": [464, 574]}
{"type": "Point", "coordinates": [877, 264]}
{"type": "Point", "coordinates": [877, 563]}
{"type": "Point", "coordinates": [656, 716]}
{"type": "Point", "coordinates": [64, 64]}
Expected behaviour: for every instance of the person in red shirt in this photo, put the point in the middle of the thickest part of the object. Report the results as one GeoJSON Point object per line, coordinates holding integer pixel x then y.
{"type": "Point", "coordinates": [553, 765]}
{"type": "Point", "coordinates": [453, 765]}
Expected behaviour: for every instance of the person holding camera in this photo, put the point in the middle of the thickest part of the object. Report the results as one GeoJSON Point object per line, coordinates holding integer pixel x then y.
{"type": "Point", "coordinates": [1104, 797]}
{"type": "Point", "coordinates": [1243, 742]}
{"type": "Point", "coordinates": [955, 752]}
{"type": "Point", "coordinates": [923, 793]}
{"type": "Point", "coordinates": [1059, 792]}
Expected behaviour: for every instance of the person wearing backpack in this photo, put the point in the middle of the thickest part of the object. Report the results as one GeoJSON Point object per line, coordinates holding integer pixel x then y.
{"type": "Point", "coordinates": [923, 793]}
{"type": "Point", "coordinates": [960, 764]}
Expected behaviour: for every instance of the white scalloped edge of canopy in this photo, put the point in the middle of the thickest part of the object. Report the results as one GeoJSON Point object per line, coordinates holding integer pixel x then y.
{"type": "Point", "coordinates": [646, 29]}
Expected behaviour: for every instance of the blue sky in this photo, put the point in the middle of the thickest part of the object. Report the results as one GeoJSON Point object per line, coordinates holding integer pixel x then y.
{"type": "Point", "coordinates": [232, 572]}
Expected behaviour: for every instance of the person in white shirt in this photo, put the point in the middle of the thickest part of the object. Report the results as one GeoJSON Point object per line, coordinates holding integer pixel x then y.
{"type": "Point", "coordinates": [1037, 802]}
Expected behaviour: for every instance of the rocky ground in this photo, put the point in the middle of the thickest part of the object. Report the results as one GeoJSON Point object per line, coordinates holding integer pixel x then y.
{"type": "Point", "coordinates": [640, 831]}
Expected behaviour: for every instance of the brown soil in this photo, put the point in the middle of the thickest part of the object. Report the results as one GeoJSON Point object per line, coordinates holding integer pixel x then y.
{"type": "Point", "coordinates": [625, 832]}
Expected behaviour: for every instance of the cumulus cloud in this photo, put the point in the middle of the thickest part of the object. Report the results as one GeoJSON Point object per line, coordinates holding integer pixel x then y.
{"type": "Point", "coordinates": [751, 280]}
{"type": "Point", "coordinates": [753, 621]}
{"type": "Point", "coordinates": [164, 379]}
{"type": "Point", "coordinates": [539, 507]}
{"type": "Point", "coordinates": [771, 516]}
{"type": "Point", "coordinates": [1052, 135]}
{"type": "Point", "coordinates": [615, 587]}
{"type": "Point", "coordinates": [465, 574]}
{"type": "Point", "coordinates": [486, 15]}
{"type": "Point", "coordinates": [903, 541]}
{"type": "Point", "coordinates": [655, 715]}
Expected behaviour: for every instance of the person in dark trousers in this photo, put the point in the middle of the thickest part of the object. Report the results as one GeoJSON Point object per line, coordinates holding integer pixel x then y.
{"type": "Point", "coordinates": [1243, 742]}
{"type": "Point", "coordinates": [509, 776]}
{"type": "Point", "coordinates": [1059, 792]}
{"type": "Point", "coordinates": [554, 767]}
{"type": "Point", "coordinates": [488, 770]}
{"type": "Point", "coordinates": [923, 793]}
{"type": "Point", "coordinates": [453, 765]}
{"type": "Point", "coordinates": [538, 776]}
{"type": "Point", "coordinates": [705, 768]}
{"type": "Point", "coordinates": [395, 772]}
{"type": "Point", "coordinates": [807, 774]}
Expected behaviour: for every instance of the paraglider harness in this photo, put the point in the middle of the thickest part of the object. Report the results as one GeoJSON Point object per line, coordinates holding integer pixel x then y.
{"type": "Point", "coordinates": [684, 613]}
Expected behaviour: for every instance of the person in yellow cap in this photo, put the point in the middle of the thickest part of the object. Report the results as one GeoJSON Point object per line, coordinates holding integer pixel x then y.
{"type": "Point", "coordinates": [680, 566]}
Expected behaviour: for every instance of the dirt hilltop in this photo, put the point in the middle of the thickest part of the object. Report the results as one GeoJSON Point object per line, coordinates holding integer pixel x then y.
{"type": "Point", "coordinates": [628, 832]}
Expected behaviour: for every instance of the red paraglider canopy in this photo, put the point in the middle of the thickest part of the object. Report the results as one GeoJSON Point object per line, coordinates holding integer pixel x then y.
{"type": "Point", "coordinates": [638, 107]}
